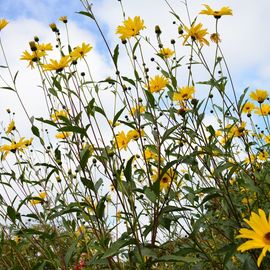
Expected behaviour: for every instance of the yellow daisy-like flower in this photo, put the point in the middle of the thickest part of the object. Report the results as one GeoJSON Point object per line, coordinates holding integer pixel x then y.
{"type": "Point", "coordinates": [259, 95]}
{"type": "Point", "coordinates": [63, 135]}
{"type": "Point", "coordinates": [196, 33]}
{"type": "Point", "coordinates": [80, 52]}
{"type": "Point", "coordinates": [166, 52]}
{"type": "Point", "coordinates": [165, 180]}
{"type": "Point", "coordinates": [134, 134]}
{"type": "Point", "coordinates": [259, 234]}
{"type": "Point", "coordinates": [184, 93]}
{"type": "Point", "coordinates": [157, 83]}
{"type": "Point", "coordinates": [122, 140]}
{"type": "Point", "coordinates": [3, 23]}
{"type": "Point", "coordinates": [263, 110]}
{"type": "Point", "coordinates": [248, 107]}
{"type": "Point", "coordinates": [263, 155]}
{"type": "Point", "coordinates": [41, 196]}
{"type": "Point", "coordinates": [131, 27]}
{"type": "Point", "coordinates": [10, 127]}
{"type": "Point", "coordinates": [237, 130]}
{"type": "Point", "coordinates": [15, 146]}
{"type": "Point", "coordinates": [267, 138]}
{"type": "Point", "coordinates": [216, 13]}
{"type": "Point", "coordinates": [57, 114]}
{"type": "Point", "coordinates": [32, 57]}
{"type": "Point", "coordinates": [58, 66]}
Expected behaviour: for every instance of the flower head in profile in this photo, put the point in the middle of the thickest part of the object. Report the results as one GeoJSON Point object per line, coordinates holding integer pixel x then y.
{"type": "Point", "coordinates": [3, 23]}
{"type": "Point", "coordinates": [259, 234]}
{"type": "Point", "coordinates": [215, 38]}
{"type": "Point", "coordinates": [80, 52]}
{"type": "Point", "coordinates": [63, 19]}
{"type": "Point", "coordinates": [56, 116]}
{"type": "Point", "coordinates": [63, 135]}
{"type": "Point", "coordinates": [135, 134]}
{"type": "Point", "coordinates": [14, 146]}
{"type": "Point", "coordinates": [196, 33]}
{"type": "Point", "coordinates": [259, 95]}
{"type": "Point", "coordinates": [166, 52]}
{"type": "Point", "coordinates": [130, 28]}
{"type": "Point", "coordinates": [136, 111]}
{"type": "Point", "coordinates": [43, 47]}
{"type": "Point", "coordinates": [263, 110]}
{"type": "Point", "coordinates": [184, 93]}
{"type": "Point", "coordinates": [58, 66]}
{"type": "Point", "coordinates": [157, 83]}
{"type": "Point", "coordinates": [10, 127]}
{"type": "Point", "coordinates": [216, 13]}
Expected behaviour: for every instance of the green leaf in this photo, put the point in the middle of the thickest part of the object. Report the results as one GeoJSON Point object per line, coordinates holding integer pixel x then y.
{"type": "Point", "coordinates": [101, 207]}
{"type": "Point", "coordinates": [74, 129]}
{"type": "Point", "coordinates": [176, 258]}
{"type": "Point", "coordinates": [88, 183]}
{"type": "Point", "coordinates": [128, 170]}
{"type": "Point", "coordinates": [150, 98]}
{"type": "Point", "coordinates": [150, 194]}
{"type": "Point", "coordinates": [12, 214]}
{"type": "Point", "coordinates": [84, 156]}
{"type": "Point", "coordinates": [117, 116]}
{"type": "Point", "coordinates": [116, 54]}
{"type": "Point", "coordinates": [116, 247]}
{"type": "Point", "coordinates": [86, 14]}
{"type": "Point", "coordinates": [35, 131]}
{"type": "Point", "coordinates": [70, 252]}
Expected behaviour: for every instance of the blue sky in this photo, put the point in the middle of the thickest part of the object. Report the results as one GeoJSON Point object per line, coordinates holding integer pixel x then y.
{"type": "Point", "coordinates": [244, 36]}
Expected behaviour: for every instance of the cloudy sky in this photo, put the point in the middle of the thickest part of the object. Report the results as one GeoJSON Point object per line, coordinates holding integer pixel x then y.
{"type": "Point", "coordinates": [245, 41]}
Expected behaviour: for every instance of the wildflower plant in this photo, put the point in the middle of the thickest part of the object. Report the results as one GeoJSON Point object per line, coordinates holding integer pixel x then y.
{"type": "Point", "coordinates": [145, 181]}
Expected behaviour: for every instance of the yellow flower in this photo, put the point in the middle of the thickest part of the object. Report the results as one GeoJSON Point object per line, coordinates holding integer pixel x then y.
{"type": "Point", "coordinates": [263, 110]}
{"type": "Point", "coordinates": [259, 95]}
{"type": "Point", "coordinates": [248, 107]}
{"type": "Point", "coordinates": [165, 180]}
{"type": "Point", "coordinates": [131, 27]}
{"type": "Point", "coordinates": [62, 135]}
{"type": "Point", "coordinates": [237, 130]}
{"type": "Point", "coordinates": [259, 234]}
{"type": "Point", "coordinates": [58, 66]}
{"type": "Point", "coordinates": [13, 147]}
{"type": "Point", "coordinates": [263, 155]}
{"type": "Point", "coordinates": [157, 83]}
{"type": "Point", "coordinates": [166, 52]}
{"type": "Point", "coordinates": [32, 57]}
{"type": "Point", "coordinates": [267, 138]}
{"type": "Point", "coordinates": [122, 140]}
{"type": "Point", "coordinates": [135, 111]}
{"type": "Point", "coordinates": [118, 216]}
{"type": "Point", "coordinates": [40, 198]}
{"type": "Point", "coordinates": [57, 114]}
{"type": "Point", "coordinates": [134, 134]}
{"type": "Point", "coordinates": [44, 47]}
{"type": "Point", "coordinates": [216, 13]}
{"type": "Point", "coordinates": [80, 52]}
{"type": "Point", "coordinates": [215, 38]}
{"type": "Point", "coordinates": [10, 127]}
{"type": "Point", "coordinates": [3, 23]}
{"type": "Point", "coordinates": [63, 19]}
{"type": "Point", "coordinates": [196, 33]}
{"type": "Point", "coordinates": [150, 154]}
{"type": "Point", "coordinates": [184, 93]}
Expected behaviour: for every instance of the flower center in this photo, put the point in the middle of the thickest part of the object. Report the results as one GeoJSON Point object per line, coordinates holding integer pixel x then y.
{"type": "Point", "coordinates": [266, 238]}
{"type": "Point", "coordinates": [166, 180]}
